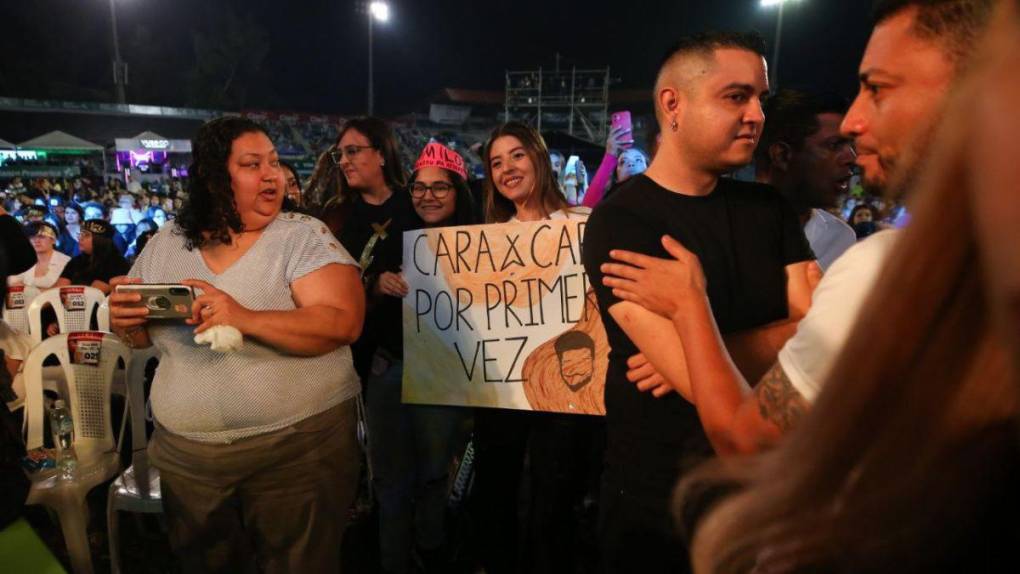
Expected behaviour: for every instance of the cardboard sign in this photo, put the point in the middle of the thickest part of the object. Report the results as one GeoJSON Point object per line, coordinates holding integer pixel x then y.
{"type": "Point", "coordinates": [502, 316]}
{"type": "Point", "coordinates": [85, 347]}
{"type": "Point", "coordinates": [72, 298]}
{"type": "Point", "coordinates": [16, 297]}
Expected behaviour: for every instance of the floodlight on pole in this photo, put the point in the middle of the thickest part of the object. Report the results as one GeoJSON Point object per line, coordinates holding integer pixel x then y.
{"type": "Point", "coordinates": [774, 67]}
{"type": "Point", "coordinates": [376, 11]}
{"type": "Point", "coordinates": [119, 67]}
{"type": "Point", "coordinates": [380, 11]}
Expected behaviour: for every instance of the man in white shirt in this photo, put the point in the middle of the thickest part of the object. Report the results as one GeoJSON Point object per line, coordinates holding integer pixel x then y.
{"type": "Point", "coordinates": [914, 56]}
{"type": "Point", "coordinates": [804, 156]}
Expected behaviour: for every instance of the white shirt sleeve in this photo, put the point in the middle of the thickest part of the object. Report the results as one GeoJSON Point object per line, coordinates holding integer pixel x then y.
{"type": "Point", "coordinates": [810, 354]}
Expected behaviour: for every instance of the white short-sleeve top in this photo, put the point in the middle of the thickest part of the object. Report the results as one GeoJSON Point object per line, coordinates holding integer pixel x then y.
{"type": "Point", "coordinates": [808, 357]}
{"type": "Point", "coordinates": [207, 396]}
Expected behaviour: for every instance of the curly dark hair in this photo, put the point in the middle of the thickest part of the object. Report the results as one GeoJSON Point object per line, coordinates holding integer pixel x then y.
{"type": "Point", "coordinates": [210, 207]}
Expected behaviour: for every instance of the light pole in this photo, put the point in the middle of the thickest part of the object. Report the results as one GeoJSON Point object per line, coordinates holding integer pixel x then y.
{"type": "Point", "coordinates": [119, 67]}
{"type": "Point", "coordinates": [774, 67]}
{"type": "Point", "coordinates": [376, 11]}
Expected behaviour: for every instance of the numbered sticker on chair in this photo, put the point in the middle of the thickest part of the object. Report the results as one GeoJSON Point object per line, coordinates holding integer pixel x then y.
{"type": "Point", "coordinates": [72, 298]}
{"type": "Point", "coordinates": [85, 348]}
{"type": "Point", "coordinates": [16, 297]}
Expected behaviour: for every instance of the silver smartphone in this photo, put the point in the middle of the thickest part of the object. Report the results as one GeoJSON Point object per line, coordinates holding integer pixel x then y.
{"type": "Point", "coordinates": [164, 301]}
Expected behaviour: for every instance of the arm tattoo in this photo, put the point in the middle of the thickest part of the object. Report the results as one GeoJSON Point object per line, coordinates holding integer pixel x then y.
{"type": "Point", "coordinates": [778, 402]}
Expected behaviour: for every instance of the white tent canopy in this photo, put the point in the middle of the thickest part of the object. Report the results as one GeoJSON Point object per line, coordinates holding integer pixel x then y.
{"type": "Point", "coordinates": [147, 135]}
{"type": "Point", "coordinates": [60, 141]}
{"type": "Point", "coordinates": [4, 144]}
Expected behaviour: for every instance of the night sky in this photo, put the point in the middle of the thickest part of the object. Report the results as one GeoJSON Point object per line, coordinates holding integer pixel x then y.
{"type": "Point", "coordinates": [316, 50]}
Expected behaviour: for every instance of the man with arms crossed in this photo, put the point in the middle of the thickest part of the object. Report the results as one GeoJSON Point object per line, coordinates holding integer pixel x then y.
{"type": "Point", "coordinates": [708, 103]}
{"type": "Point", "coordinates": [916, 52]}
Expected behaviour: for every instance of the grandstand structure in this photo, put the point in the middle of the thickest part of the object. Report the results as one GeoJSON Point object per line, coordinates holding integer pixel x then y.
{"type": "Point", "coordinates": [573, 100]}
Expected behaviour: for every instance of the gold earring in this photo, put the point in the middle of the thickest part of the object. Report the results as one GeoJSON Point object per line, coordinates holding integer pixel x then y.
{"type": "Point", "coordinates": [673, 125]}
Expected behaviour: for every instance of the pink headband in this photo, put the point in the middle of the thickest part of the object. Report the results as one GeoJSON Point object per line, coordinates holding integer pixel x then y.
{"type": "Point", "coordinates": [438, 155]}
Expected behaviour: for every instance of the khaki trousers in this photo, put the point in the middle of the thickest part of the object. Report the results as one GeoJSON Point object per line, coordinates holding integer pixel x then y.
{"type": "Point", "coordinates": [272, 503]}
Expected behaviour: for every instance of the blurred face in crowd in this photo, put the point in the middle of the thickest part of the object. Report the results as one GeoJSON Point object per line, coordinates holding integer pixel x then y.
{"type": "Point", "coordinates": [821, 169]}
{"type": "Point", "coordinates": [126, 202]}
{"type": "Point", "coordinates": [718, 108]}
{"type": "Point", "coordinates": [42, 244]}
{"type": "Point", "coordinates": [433, 194]}
{"type": "Point", "coordinates": [293, 191]}
{"type": "Point", "coordinates": [256, 179]}
{"type": "Point", "coordinates": [71, 217]}
{"type": "Point", "coordinates": [557, 163]}
{"type": "Point", "coordinates": [85, 242]}
{"type": "Point", "coordinates": [513, 172]}
{"type": "Point", "coordinates": [361, 164]}
{"type": "Point", "coordinates": [904, 80]}
{"type": "Point", "coordinates": [630, 163]}
{"type": "Point", "coordinates": [153, 201]}
{"type": "Point", "coordinates": [862, 215]}
{"type": "Point", "coordinates": [159, 216]}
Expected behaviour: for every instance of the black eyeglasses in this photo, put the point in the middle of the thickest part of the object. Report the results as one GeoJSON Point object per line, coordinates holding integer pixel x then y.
{"type": "Point", "coordinates": [337, 154]}
{"type": "Point", "coordinates": [440, 189]}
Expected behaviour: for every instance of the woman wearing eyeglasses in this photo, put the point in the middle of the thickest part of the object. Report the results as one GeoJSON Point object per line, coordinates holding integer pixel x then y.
{"type": "Point", "coordinates": [411, 446]}
{"type": "Point", "coordinates": [369, 214]}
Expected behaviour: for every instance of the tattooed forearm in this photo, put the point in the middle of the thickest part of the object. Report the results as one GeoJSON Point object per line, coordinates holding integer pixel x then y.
{"type": "Point", "coordinates": [778, 402]}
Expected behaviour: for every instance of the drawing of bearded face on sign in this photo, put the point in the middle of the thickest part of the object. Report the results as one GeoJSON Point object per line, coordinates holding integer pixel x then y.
{"type": "Point", "coordinates": [576, 353]}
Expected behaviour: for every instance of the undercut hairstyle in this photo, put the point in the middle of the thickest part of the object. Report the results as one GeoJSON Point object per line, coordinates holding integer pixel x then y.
{"type": "Point", "coordinates": [791, 116]}
{"type": "Point", "coordinates": [704, 44]}
{"type": "Point", "coordinates": [955, 25]}
{"type": "Point", "coordinates": [572, 341]}
{"type": "Point", "coordinates": [210, 213]}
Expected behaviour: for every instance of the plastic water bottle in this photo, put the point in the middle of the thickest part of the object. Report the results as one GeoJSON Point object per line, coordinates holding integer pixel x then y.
{"type": "Point", "coordinates": [62, 427]}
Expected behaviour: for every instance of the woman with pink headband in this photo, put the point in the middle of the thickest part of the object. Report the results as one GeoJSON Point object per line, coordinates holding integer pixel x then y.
{"type": "Point", "coordinates": [411, 446]}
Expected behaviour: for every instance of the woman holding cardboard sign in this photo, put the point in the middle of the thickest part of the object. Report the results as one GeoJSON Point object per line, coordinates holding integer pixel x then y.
{"type": "Point", "coordinates": [521, 186]}
{"type": "Point", "coordinates": [411, 446]}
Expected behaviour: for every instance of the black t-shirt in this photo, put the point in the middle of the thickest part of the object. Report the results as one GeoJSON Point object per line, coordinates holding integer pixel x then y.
{"type": "Point", "coordinates": [78, 272]}
{"type": "Point", "coordinates": [745, 235]}
{"type": "Point", "coordinates": [383, 322]}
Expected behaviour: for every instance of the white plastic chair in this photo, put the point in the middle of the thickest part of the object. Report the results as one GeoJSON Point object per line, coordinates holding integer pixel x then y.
{"type": "Point", "coordinates": [88, 397]}
{"type": "Point", "coordinates": [103, 315]}
{"type": "Point", "coordinates": [137, 488]}
{"type": "Point", "coordinates": [67, 320]}
{"type": "Point", "coordinates": [17, 317]}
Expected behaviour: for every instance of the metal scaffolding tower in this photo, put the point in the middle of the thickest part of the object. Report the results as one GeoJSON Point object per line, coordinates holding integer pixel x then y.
{"type": "Point", "coordinates": [576, 101]}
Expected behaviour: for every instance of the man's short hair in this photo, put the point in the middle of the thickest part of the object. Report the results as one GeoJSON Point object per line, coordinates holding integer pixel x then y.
{"type": "Point", "coordinates": [573, 340]}
{"type": "Point", "coordinates": [955, 25]}
{"type": "Point", "coordinates": [791, 116]}
{"type": "Point", "coordinates": [705, 44]}
{"type": "Point", "coordinates": [708, 42]}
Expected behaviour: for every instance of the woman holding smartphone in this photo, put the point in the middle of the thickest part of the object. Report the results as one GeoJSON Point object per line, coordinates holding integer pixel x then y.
{"type": "Point", "coordinates": [256, 448]}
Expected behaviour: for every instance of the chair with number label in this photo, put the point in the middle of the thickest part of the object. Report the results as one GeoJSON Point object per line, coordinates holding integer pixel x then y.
{"type": "Point", "coordinates": [16, 307]}
{"type": "Point", "coordinates": [137, 488]}
{"type": "Point", "coordinates": [88, 360]}
{"type": "Point", "coordinates": [74, 306]}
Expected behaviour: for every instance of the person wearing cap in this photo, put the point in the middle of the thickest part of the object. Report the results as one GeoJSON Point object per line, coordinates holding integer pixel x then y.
{"type": "Point", "coordinates": [411, 446]}
{"type": "Point", "coordinates": [99, 261]}
{"type": "Point", "coordinates": [50, 263]}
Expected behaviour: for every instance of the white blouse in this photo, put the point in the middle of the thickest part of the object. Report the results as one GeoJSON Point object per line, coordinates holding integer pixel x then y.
{"type": "Point", "coordinates": [56, 266]}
